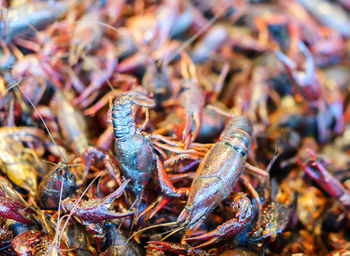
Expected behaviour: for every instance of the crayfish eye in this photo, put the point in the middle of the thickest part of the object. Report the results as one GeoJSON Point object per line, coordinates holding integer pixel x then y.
{"type": "Point", "coordinates": [241, 151]}
{"type": "Point", "coordinates": [243, 154]}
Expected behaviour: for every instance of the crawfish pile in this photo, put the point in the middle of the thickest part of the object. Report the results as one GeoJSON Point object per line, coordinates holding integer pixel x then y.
{"type": "Point", "coordinates": [174, 127]}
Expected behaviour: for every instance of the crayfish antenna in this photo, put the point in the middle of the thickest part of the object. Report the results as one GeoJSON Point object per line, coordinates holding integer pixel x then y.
{"type": "Point", "coordinates": [43, 121]}
{"type": "Point", "coordinates": [135, 217]}
{"type": "Point", "coordinates": [173, 232]}
{"type": "Point", "coordinates": [136, 203]}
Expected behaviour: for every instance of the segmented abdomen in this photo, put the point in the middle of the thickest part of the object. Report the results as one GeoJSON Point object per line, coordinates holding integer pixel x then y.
{"type": "Point", "coordinates": [122, 118]}
{"type": "Point", "coordinates": [237, 134]}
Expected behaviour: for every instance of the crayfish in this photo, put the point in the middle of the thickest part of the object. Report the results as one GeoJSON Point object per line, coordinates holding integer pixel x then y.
{"type": "Point", "coordinates": [134, 151]}
{"type": "Point", "coordinates": [217, 175]}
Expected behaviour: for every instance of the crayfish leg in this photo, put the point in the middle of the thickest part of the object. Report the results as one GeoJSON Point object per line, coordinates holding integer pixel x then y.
{"type": "Point", "coordinates": [243, 214]}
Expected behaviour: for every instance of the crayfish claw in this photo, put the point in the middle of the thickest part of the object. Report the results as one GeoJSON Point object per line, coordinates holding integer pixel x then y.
{"type": "Point", "coordinates": [205, 236]}
{"type": "Point", "coordinates": [183, 216]}
{"type": "Point", "coordinates": [109, 199]}
{"type": "Point", "coordinates": [159, 206]}
{"type": "Point", "coordinates": [115, 215]}
{"type": "Point", "coordinates": [207, 243]}
{"type": "Point", "coordinates": [213, 237]}
{"type": "Point", "coordinates": [187, 140]}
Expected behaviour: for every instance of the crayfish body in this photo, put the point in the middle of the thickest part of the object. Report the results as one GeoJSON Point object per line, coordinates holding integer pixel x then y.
{"type": "Point", "coordinates": [214, 181]}
{"type": "Point", "coordinates": [219, 171]}
{"type": "Point", "coordinates": [133, 150]}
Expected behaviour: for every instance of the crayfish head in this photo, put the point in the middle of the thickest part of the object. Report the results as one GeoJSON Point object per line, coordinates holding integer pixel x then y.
{"type": "Point", "coordinates": [195, 212]}
{"type": "Point", "coordinates": [205, 195]}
